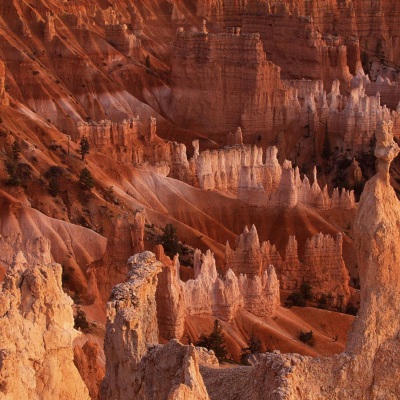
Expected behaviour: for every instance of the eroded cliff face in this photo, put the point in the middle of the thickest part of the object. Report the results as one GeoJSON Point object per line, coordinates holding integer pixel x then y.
{"type": "Point", "coordinates": [126, 238]}
{"type": "Point", "coordinates": [357, 24]}
{"type": "Point", "coordinates": [36, 335]}
{"type": "Point", "coordinates": [210, 295]}
{"type": "Point", "coordinates": [231, 82]}
{"type": "Point", "coordinates": [322, 265]}
{"type": "Point", "coordinates": [135, 366]}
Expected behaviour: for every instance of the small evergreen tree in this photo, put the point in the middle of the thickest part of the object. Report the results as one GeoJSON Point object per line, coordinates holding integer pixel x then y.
{"type": "Point", "coordinates": [12, 171]}
{"type": "Point", "coordinates": [84, 147]}
{"type": "Point", "coordinates": [306, 291]}
{"type": "Point", "coordinates": [148, 62]}
{"type": "Point", "coordinates": [18, 172]}
{"type": "Point", "coordinates": [214, 341]}
{"type": "Point", "coordinates": [307, 337]}
{"type": "Point", "coordinates": [170, 241]}
{"type": "Point", "coordinates": [54, 187]}
{"type": "Point", "coordinates": [86, 180]}
{"type": "Point", "coordinates": [16, 151]}
{"type": "Point", "coordinates": [295, 299]}
{"type": "Point", "coordinates": [253, 348]}
{"type": "Point", "coordinates": [80, 321]}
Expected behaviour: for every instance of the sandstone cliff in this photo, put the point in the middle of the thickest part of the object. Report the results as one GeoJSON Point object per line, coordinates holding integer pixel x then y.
{"type": "Point", "coordinates": [322, 265]}
{"type": "Point", "coordinates": [126, 238]}
{"type": "Point", "coordinates": [36, 335]}
{"type": "Point", "coordinates": [208, 295]}
{"type": "Point", "coordinates": [135, 367]}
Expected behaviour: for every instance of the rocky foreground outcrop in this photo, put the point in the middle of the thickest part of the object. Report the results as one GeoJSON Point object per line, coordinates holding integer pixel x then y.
{"type": "Point", "coordinates": [136, 368]}
{"type": "Point", "coordinates": [36, 319]}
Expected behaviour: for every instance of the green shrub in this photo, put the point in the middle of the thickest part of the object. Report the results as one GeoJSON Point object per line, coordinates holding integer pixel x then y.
{"type": "Point", "coordinates": [254, 347]}
{"type": "Point", "coordinates": [214, 341]}
{"type": "Point", "coordinates": [307, 338]}
{"type": "Point", "coordinates": [170, 242]}
{"type": "Point", "coordinates": [86, 180]}
{"type": "Point", "coordinates": [80, 321]}
{"type": "Point", "coordinates": [295, 299]}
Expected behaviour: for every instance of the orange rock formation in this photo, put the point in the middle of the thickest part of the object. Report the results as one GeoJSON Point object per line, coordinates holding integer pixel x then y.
{"type": "Point", "coordinates": [36, 335]}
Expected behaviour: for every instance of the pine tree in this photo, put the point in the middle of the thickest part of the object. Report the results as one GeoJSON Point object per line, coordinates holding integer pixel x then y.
{"type": "Point", "coordinates": [148, 62]}
{"type": "Point", "coordinates": [170, 241]}
{"type": "Point", "coordinates": [214, 341]}
{"type": "Point", "coordinates": [86, 180]}
{"type": "Point", "coordinates": [84, 147]}
{"type": "Point", "coordinates": [254, 347]}
{"type": "Point", "coordinates": [16, 151]}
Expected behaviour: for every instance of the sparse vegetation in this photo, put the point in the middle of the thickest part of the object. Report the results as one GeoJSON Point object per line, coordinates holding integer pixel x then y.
{"type": "Point", "coordinates": [80, 321]}
{"type": "Point", "coordinates": [148, 62]}
{"type": "Point", "coordinates": [18, 173]}
{"type": "Point", "coordinates": [253, 348]}
{"type": "Point", "coordinates": [214, 341]}
{"type": "Point", "coordinates": [295, 299]}
{"type": "Point", "coordinates": [86, 180]}
{"type": "Point", "coordinates": [53, 174]}
{"type": "Point", "coordinates": [307, 338]}
{"type": "Point", "coordinates": [84, 148]}
{"type": "Point", "coordinates": [299, 299]}
{"type": "Point", "coordinates": [351, 309]}
{"type": "Point", "coordinates": [170, 241]}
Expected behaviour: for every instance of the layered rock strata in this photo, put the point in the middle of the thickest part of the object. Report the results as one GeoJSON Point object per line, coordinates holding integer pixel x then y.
{"type": "Point", "coordinates": [232, 84]}
{"type": "Point", "coordinates": [322, 265]}
{"type": "Point", "coordinates": [36, 357]}
{"type": "Point", "coordinates": [368, 26]}
{"type": "Point", "coordinates": [135, 366]}
{"type": "Point", "coordinates": [126, 238]}
{"type": "Point", "coordinates": [323, 55]}
{"type": "Point", "coordinates": [241, 169]}
{"type": "Point", "coordinates": [226, 93]}
{"type": "Point", "coordinates": [211, 295]}
{"type": "Point", "coordinates": [127, 142]}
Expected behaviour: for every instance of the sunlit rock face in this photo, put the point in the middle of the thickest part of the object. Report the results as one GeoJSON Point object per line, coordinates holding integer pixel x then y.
{"type": "Point", "coordinates": [37, 334]}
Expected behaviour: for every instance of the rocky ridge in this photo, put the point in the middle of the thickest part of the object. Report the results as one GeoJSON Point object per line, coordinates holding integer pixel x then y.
{"type": "Point", "coordinates": [36, 335]}
{"type": "Point", "coordinates": [135, 366]}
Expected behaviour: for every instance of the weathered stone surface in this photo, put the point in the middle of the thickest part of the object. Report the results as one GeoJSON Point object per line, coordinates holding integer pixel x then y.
{"type": "Point", "coordinates": [126, 238]}
{"type": "Point", "coordinates": [36, 335]}
{"type": "Point", "coordinates": [322, 265]}
{"type": "Point", "coordinates": [92, 373]}
{"type": "Point", "coordinates": [133, 370]}
{"type": "Point", "coordinates": [211, 295]}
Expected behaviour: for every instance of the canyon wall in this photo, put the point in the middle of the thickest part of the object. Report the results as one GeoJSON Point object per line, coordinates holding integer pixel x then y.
{"type": "Point", "coordinates": [232, 84]}
{"type": "Point", "coordinates": [131, 142]}
{"type": "Point", "coordinates": [359, 24]}
{"type": "Point", "coordinates": [295, 114]}
{"type": "Point", "coordinates": [126, 238]}
{"type": "Point", "coordinates": [369, 367]}
{"type": "Point", "coordinates": [322, 266]}
{"type": "Point", "coordinates": [323, 55]}
{"type": "Point", "coordinates": [241, 169]}
{"type": "Point", "coordinates": [211, 295]}
{"type": "Point", "coordinates": [36, 335]}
